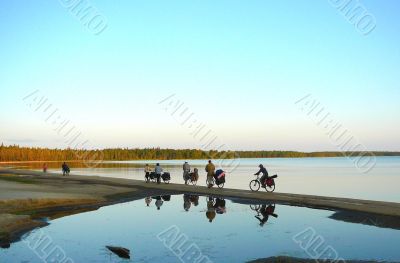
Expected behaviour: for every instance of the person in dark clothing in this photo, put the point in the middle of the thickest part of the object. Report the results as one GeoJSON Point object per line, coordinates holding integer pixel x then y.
{"type": "Point", "coordinates": [264, 174]}
{"type": "Point", "coordinates": [65, 169]}
{"type": "Point", "coordinates": [266, 212]}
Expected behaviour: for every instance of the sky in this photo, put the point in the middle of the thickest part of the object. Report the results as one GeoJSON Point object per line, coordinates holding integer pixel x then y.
{"type": "Point", "coordinates": [239, 67]}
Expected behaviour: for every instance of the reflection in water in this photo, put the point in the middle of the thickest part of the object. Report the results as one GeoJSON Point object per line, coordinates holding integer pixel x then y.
{"type": "Point", "coordinates": [234, 234]}
{"type": "Point", "coordinates": [159, 200]}
{"type": "Point", "coordinates": [148, 200]}
{"type": "Point", "coordinates": [214, 205]}
{"type": "Point", "coordinates": [264, 212]}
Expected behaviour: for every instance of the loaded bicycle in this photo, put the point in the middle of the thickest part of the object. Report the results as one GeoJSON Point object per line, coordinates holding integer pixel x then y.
{"type": "Point", "coordinates": [218, 179]}
{"type": "Point", "coordinates": [166, 177]}
{"type": "Point", "coordinates": [269, 183]}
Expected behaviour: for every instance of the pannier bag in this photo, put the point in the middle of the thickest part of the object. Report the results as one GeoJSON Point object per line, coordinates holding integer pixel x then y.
{"type": "Point", "coordinates": [219, 177]}
{"type": "Point", "coordinates": [166, 198]}
{"type": "Point", "coordinates": [270, 182]}
{"type": "Point", "coordinates": [166, 176]}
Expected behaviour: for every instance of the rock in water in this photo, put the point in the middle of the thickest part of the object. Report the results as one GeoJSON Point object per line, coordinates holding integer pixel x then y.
{"type": "Point", "coordinates": [120, 251]}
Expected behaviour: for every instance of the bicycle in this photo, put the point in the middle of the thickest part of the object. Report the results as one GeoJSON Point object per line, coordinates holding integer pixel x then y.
{"type": "Point", "coordinates": [269, 184]}
{"type": "Point", "coordinates": [213, 182]}
{"type": "Point", "coordinates": [166, 177]}
{"type": "Point", "coordinates": [192, 179]}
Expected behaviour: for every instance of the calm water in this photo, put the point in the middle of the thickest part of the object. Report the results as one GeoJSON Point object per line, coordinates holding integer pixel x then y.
{"type": "Point", "coordinates": [319, 176]}
{"type": "Point", "coordinates": [223, 231]}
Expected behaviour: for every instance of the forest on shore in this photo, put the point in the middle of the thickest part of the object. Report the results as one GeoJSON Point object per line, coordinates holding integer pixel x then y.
{"type": "Point", "coordinates": [16, 153]}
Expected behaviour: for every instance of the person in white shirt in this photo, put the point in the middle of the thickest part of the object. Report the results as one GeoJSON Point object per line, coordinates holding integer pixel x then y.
{"type": "Point", "coordinates": [147, 171]}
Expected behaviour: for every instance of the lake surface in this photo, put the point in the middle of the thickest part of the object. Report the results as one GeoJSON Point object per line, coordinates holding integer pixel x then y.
{"type": "Point", "coordinates": [317, 176]}
{"type": "Point", "coordinates": [218, 230]}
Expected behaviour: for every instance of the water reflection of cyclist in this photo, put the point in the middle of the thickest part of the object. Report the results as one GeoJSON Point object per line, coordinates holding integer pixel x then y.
{"type": "Point", "coordinates": [194, 199]}
{"type": "Point", "coordinates": [210, 214]}
{"type": "Point", "coordinates": [220, 206]}
{"type": "Point", "coordinates": [266, 211]}
{"type": "Point", "coordinates": [264, 171]}
{"type": "Point", "coordinates": [186, 202]}
{"type": "Point", "coordinates": [159, 202]}
{"type": "Point", "coordinates": [148, 200]}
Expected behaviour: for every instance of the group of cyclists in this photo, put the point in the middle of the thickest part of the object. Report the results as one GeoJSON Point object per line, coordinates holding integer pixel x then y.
{"type": "Point", "coordinates": [157, 174]}
{"type": "Point", "coordinates": [214, 176]}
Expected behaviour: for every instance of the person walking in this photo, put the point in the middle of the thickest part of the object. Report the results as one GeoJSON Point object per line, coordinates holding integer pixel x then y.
{"type": "Point", "coordinates": [210, 169]}
{"type": "Point", "coordinates": [186, 171]}
{"type": "Point", "coordinates": [65, 169]}
{"type": "Point", "coordinates": [45, 167]}
{"type": "Point", "coordinates": [158, 170]}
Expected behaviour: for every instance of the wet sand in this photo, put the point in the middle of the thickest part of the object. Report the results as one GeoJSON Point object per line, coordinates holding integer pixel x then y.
{"type": "Point", "coordinates": [28, 195]}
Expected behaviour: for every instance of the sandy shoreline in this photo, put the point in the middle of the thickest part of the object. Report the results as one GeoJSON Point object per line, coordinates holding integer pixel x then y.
{"type": "Point", "coordinates": [28, 195]}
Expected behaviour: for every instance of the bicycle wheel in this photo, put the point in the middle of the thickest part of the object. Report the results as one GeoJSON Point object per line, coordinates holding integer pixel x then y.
{"type": "Point", "coordinates": [255, 207]}
{"type": "Point", "coordinates": [254, 185]}
{"type": "Point", "coordinates": [270, 188]}
{"type": "Point", "coordinates": [208, 182]}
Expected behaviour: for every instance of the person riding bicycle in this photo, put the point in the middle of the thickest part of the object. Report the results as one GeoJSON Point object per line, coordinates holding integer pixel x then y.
{"type": "Point", "coordinates": [264, 177]}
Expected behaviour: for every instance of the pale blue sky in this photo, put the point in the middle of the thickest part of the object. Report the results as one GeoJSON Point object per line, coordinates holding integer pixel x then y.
{"type": "Point", "coordinates": [238, 65]}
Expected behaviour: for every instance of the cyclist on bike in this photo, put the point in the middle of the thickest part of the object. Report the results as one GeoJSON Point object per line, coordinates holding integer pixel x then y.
{"type": "Point", "coordinates": [264, 177]}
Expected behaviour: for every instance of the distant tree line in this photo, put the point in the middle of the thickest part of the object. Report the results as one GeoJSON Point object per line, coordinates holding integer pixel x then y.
{"type": "Point", "coordinates": [17, 153]}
